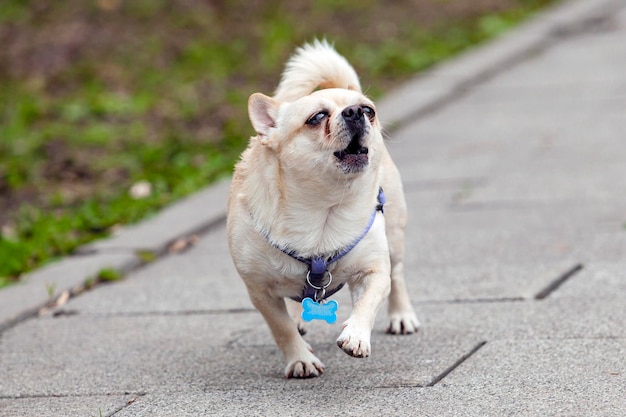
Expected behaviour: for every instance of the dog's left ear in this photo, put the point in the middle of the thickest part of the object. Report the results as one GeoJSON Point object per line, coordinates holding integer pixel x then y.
{"type": "Point", "coordinates": [354, 88]}
{"type": "Point", "coordinates": [263, 111]}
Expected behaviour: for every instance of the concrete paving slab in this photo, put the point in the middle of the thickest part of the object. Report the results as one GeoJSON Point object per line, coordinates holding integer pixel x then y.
{"type": "Point", "coordinates": [39, 287]}
{"type": "Point", "coordinates": [112, 344]}
{"type": "Point", "coordinates": [587, 187]}
{"type": "Point", "coordinates": [502, 378]}
{"type": "Point", "coordinates": [545, 377]}
{"type": "Point", "coordinates": [88, 355]}
{"type": "Point", "coordinates": [201, 278]}
{"type": "Point", "coordinates": [75, 355]}
{"type": "Point", "coordinates": [467, 209]}
{"type": "Point", "coordinates": [516, 234]}
{"type": "Point", "coordinates": [588, 59]}
{"type": "Point", "coordinates": [436, 401]}
{"type": "Point", "coordinates": [481, 282]}
{"type": "Point", "coordinates": [589, 304]}
{"type": "Point", "coordinates": [346, 402]}
{"type": "Point", "coordinates": [529, 121]}
{"type": "Point", "coordinates": [539, 121]}
{"type": "Point", "coordinates": [450, 247]}
{"type": "Point", "coordinates": [121, 357]}
{"type": "Point", "coordinates": [440, 169]}
{"type": "Point", "coordinates": [439, 86]}
{"type": "Point", "coordinates": [599, 280]}
{"type": "Point", "coordinates": [395, 362]}
{"type": "Point", "coordinates": [87, 406]}
{"type": "Point", "coordinates": [493, 150]}
{"type": "Point", "coordinates": [577, 318]}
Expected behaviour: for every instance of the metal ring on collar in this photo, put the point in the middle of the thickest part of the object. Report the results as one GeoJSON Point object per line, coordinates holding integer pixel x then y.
{"type": "Point", "coordinates": [323, 287]}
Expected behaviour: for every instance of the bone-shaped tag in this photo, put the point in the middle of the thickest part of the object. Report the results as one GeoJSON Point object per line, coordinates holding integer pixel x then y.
{"type": "Point", "coordinates": [319, 311]}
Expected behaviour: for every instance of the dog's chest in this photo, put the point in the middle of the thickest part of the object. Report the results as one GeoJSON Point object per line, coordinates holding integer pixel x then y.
{"type": "Point", "coordinates": [312, 234]}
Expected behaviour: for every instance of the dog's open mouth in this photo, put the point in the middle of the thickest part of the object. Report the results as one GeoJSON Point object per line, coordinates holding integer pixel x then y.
{"type": "Point", "coordinates": [354, 158]}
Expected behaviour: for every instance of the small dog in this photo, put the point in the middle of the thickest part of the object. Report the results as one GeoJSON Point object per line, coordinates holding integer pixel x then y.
{"type": "Point", "coordinates": [305, 209]}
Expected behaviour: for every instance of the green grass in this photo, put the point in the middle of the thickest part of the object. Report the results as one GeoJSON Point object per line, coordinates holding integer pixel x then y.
{"type": "Point", "coordinates": [95, 96]}
{"type": "Point", "coordinates": [108, 275]}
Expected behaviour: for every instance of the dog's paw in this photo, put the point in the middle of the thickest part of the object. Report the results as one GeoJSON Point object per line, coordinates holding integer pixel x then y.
{"type": "Point", "coordinates": [403, 323]}
{"type": "Point", "coordinates": [308, 367]}
{"type": "Point", "coordinates": [354, 343]}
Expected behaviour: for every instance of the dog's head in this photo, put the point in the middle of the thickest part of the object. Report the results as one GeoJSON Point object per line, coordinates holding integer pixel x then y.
{"type": "Point", "coordinates": [331, 131]}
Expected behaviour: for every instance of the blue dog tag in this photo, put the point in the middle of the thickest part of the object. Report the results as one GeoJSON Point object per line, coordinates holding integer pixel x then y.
{"type": "Point", "coordinates": [319, 311]}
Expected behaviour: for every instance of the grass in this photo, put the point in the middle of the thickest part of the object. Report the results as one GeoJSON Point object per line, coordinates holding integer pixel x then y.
{"type": "Point", "coordinates": [108, 275]}
{"type": "Point", "coordinates": [97, 96]}
{"type": "Point", "coordinates": [105, 275]}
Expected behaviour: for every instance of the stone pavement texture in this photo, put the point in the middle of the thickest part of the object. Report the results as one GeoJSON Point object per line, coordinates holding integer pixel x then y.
{"type": "Point", "coordinates": [513, 158]}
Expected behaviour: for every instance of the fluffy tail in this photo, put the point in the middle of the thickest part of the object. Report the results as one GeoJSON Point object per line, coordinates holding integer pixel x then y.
{"type": "Point", "coordinates": [312, 66]}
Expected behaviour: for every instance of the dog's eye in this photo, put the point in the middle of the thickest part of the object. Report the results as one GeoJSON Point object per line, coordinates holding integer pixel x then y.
{"type": "Point", "coordinates": [369, 112]}
{"type": "Point", "coordinates": [317, 118]}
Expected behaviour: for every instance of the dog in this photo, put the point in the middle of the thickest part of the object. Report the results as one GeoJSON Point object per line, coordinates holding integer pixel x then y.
{"type": "Point", "coordinates": [305, 209]}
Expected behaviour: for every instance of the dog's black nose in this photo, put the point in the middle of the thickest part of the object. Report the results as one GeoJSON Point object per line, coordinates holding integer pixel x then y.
{"type": "Point", "coordinates": [352, 114]}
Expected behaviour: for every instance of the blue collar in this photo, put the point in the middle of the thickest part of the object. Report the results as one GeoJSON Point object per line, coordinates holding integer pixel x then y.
{"type": "Point", "coordinates": [318, 265]}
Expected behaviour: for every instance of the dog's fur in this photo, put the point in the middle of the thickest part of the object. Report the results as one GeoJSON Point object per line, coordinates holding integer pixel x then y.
{"type": "Point", "coordinates": [295, 186]}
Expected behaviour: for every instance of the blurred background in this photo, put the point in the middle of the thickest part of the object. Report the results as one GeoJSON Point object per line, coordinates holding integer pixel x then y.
{"type": "Point", "coordinates": [111, 109]}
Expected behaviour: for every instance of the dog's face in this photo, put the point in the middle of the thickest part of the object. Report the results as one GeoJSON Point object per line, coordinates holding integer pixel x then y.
{"type": "Point", "coordinates": [333, 132]}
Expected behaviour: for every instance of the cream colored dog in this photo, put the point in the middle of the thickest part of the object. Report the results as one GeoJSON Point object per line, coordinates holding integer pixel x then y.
{"type": "Point", "coordinates": [307, 188]}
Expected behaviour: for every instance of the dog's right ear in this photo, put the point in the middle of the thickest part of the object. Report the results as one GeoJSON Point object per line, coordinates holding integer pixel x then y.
{"type": "Point", "coordinates": [263, 111]}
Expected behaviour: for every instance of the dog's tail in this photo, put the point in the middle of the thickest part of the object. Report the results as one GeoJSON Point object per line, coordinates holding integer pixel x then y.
{"type": "Point", "coordinates": [315, 65]}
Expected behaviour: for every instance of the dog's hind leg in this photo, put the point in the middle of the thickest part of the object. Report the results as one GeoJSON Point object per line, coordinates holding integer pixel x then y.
{"type": "Point", "coordinates": [402, 318]}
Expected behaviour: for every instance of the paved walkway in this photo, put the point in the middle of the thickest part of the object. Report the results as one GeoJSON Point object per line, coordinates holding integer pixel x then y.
{"type": "Point", "coordinates": [514, 161]}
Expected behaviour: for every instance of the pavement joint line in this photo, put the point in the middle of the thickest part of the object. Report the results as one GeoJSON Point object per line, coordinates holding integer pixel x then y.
{"type": "Point", "coordinates": [465, 87]}
{"type": "Point", "coordinates": [136, 396]}
{"type": "Point", "coordinates": [67, 294]}
{"type": "Point", "coordinates": [71, 395]}
{"type": "Point", "coordinates": [456, 364]}
{"type": "Point", "coordinates": [68, 313]}
{"type": "Point", "coordinates": [475, 300]}
{"type": "Point", "coordinates": [588, 25]}
{"type": "Point", "coordinates": [458, 91]}
{"type": "Point", "coordinates": [128, 403]}
{"type": "Point", "coordinates": [558, 281]}
{"type": "Point", "coordinates": [400, 385]}
{"type": "Point", "coordinates": [162, 250]}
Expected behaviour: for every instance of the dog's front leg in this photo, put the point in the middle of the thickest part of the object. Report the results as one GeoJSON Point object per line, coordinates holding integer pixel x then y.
{"type": "Point", "coordinates": [301, 362]}
{"type": "Point", "coordinates": [295, 312]}
{"type": "Point", "coordinates": [368, 294]}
